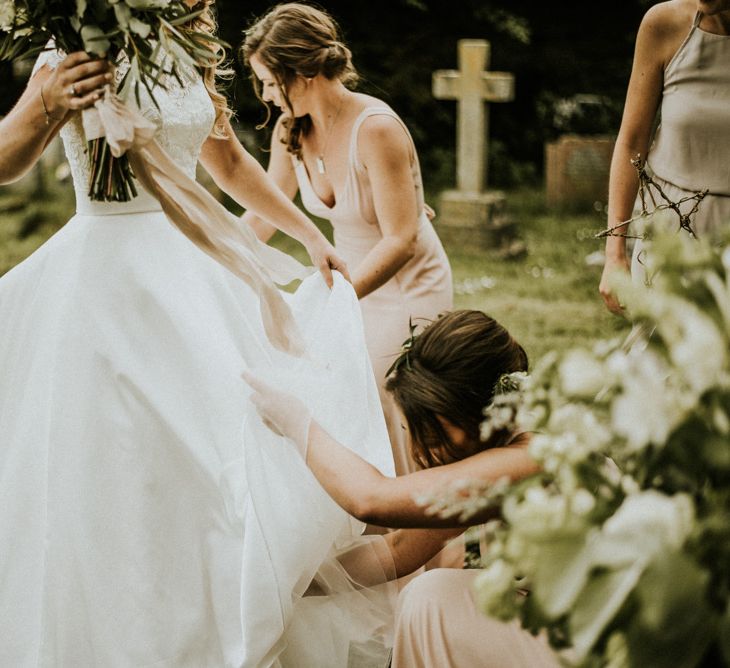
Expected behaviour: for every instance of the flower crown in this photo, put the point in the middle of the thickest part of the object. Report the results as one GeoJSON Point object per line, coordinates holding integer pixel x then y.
{"type": "Point", "coordinates": [405, 348]}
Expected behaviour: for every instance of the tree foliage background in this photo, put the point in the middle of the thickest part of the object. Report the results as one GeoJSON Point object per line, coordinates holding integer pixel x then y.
{"type": "Point", "coordinates": [555, 50]}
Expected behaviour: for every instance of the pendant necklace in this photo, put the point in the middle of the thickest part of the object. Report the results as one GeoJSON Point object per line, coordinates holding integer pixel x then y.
{"type": "Point", "coordinates": [320, 158]}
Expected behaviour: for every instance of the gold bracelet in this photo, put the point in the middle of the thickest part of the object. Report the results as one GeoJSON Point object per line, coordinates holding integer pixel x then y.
{"type": "Point", "coordinates": [49, 118]}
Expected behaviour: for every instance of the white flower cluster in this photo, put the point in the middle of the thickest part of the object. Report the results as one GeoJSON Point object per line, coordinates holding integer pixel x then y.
{"type": "Point", "coordinates": [7, 15]}
{"type": "Point", "coordinates": [463, 499]}
{"type": "Point", "coordinates": [634, 442]}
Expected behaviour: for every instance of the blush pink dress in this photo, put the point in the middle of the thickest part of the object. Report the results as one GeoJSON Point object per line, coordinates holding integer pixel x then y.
{"type": "Point", "coordinates": [691, 148]}
{"type": "Point", "coordinates": [438, 624]}
{"type": "Point", "coordinates": [421, 290]}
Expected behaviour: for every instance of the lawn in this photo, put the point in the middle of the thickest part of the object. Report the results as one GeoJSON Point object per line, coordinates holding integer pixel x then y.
{"type": "Point", "coordinates": [547, 298]}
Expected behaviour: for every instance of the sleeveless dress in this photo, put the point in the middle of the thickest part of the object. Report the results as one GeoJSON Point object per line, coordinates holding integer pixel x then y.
{"type": "Point", "coordinates": [147, 516]}
{"type": "Point", "coordinates": [422, 289]}
{"type": "Point", "coordinates": [438, 624]}
{"type": "Point", "coordinates": [691, 148]}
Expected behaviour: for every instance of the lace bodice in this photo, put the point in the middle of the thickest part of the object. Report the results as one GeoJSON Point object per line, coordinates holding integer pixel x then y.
{"type": "Point", "coordinates": [184, 119]}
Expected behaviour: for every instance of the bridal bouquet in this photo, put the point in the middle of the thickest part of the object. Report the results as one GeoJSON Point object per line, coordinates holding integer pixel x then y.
{"type": "Point", "coordinates": [154, 36]}
{"type": "Point", "coordinates": [623, 541]}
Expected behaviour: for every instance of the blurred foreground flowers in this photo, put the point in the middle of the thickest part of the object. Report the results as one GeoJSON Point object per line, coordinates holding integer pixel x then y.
{"type": "Point", "coordinates": [623, 542]}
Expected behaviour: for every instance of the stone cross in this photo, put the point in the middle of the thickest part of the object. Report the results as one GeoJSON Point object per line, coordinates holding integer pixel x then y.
{"type": "Point", "coordinates": [472, 86]}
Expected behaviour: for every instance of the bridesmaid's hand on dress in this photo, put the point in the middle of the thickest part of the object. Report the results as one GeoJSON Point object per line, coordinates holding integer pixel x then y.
{"type": "Point", "coordinates": [325, 258]}
{"type": "Point", "coordinates": [281, 412]}
{"type": "Point", "coordinates": [77, 83]}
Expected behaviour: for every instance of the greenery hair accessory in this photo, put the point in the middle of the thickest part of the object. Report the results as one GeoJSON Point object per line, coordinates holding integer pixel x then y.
{"type": "Point", "coordinates": [405, 348]}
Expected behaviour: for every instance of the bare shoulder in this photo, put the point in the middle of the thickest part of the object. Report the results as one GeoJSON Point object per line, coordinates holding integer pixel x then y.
{"type": "Point", "coordinates": [665, 26]}
{"type": "Point", "coordinates": [382, 135]}
{"type": "Point", "coordinates": [381, 126]}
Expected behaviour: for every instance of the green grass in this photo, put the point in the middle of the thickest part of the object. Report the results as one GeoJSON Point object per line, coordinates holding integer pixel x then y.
{"type": "Point", "coordinates": [548, 299]}
{"type": "Point", "coordinates": [26, 222]}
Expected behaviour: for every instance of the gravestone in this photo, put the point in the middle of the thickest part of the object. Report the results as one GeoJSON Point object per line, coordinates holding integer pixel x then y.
{"type": "Point", "coordinates": [578, 161]}
{"type": "Point", "coordinates": [577, 169]}
{"type": "Point", "coordinates": [472, 207]}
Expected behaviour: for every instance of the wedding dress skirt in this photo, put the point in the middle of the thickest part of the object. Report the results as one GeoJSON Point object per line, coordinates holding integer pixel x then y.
{"type": "Point", "coordinates": [147, 516]}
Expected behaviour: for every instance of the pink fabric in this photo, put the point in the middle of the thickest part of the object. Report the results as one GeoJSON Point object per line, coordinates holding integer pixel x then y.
{"type": "Point", "coordinates": [439, 626]}
{"type": "Point", "coordinates": [421, 290]}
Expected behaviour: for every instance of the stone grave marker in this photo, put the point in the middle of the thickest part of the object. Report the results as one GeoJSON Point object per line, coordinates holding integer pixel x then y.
{"type": "Point", "coordinates": [472, 206]}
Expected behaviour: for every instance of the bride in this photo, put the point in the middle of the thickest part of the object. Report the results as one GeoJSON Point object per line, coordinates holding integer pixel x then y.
{"type": "Point", "coordinates": [145, 518]}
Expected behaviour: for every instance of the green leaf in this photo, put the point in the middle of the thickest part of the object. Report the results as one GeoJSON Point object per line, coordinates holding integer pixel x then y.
{"type": "Point", "coordinates": [140, 28]}
{"type": "Point", "coordinates": [599, 602]}
{"type": "Point", "coordinates": [95, 41]}
{"type": "Point", "coordinates": [186, 18]}
{"type": "Point", "coordinates": [673, 617]}
{"type": "Point", "coordinates": [561, 572]}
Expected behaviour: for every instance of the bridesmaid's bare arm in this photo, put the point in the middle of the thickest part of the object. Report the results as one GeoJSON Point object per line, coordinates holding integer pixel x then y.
{"type": "Point", "coordinates": [367, 494]}
{"type": "Point", "coordinates": [281, 171]}
{"type": "Point", "coordinates": [240, 175]}
{"type": "Point", "coordinates": [412, 548]}
{"type": "Point", "coordinates": [660, 34]}
{"type": "Point", "coordinates": [386, 152]}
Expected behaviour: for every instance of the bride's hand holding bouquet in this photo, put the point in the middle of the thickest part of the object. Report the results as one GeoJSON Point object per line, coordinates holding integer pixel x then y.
{"type": "Point", "coordinates": [156, 38]}
{"type": "Point", "coordinates": [76, 84]}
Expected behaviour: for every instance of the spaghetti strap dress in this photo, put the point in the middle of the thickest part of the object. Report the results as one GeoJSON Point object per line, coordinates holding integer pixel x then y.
{"type": "Point", "coordinates": [422, 288]}
{"type": "Point", "coordinates": [691, 147]}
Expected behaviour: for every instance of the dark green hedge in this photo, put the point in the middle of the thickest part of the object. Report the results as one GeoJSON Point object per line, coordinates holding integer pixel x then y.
{"type": "Point", "coordinates": [556, 50]}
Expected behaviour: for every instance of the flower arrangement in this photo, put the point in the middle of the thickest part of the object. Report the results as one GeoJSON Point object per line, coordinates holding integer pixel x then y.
{"type": "Point", "coordinates": [154, 36]}
{"type": "Point", "coordinates": [623, 539]}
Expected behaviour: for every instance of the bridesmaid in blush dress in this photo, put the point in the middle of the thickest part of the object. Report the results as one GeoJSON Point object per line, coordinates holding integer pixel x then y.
{"type": "Point", "coordinates": [353, 162]}
{"type": "Point", "coordinates": [455, 364]}
{"type": "Point", "coordinates": [681, 75]}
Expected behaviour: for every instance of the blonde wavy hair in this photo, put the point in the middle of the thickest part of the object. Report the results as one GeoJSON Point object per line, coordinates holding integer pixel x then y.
{"type": "Point", "coordinates": [219, 70]}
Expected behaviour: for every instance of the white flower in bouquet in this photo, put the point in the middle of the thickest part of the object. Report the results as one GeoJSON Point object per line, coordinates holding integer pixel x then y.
{"type": "Point", "coordinates": [646, 524]}
{"type": "Point", "coordinates": [541, 513]}
{"type": "Point", "coordinates": [581, 375]}
{"type": "Point", "coordinates": [95, 41]}
{"type": "Point", "coordinates": [495, 589]}
{"type": "Point", "coordinates": [696, 345]}
{"type": "Point", "coordinates": [582, 502]}
{"type": "Point", "coordinates": [587, 432]}
{"type": "Point", "coordinates": [651, 402]}
{"type": "Point", "coordinates": [700, 351]}
{"type": "Point", "coordinates": [7, 15]}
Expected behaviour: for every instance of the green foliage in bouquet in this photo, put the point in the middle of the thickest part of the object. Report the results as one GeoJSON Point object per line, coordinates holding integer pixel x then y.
{"type": "Point", "coordinates": [154, 36]}
{"type": "Point", "coordinates": [622, 543]}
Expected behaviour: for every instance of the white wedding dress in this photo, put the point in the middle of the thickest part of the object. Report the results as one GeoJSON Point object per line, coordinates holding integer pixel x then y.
{"type": "Point", "coordinates": [147, 516]}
